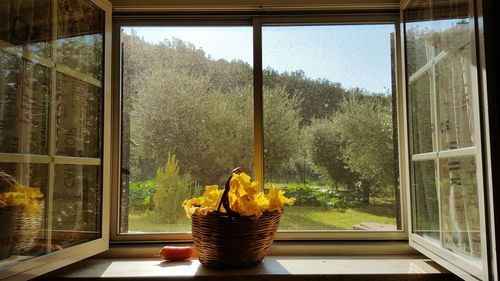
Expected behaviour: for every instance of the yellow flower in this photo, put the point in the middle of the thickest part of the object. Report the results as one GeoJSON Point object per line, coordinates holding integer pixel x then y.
{"type": "Point", "coordinates": [208, 202]}
{"type": "Point", "coordinates": [245, 198]}
{"type": "Point", "coordinates": [277, 199]}
{"type": "Point", "coordinates": [28, 198]}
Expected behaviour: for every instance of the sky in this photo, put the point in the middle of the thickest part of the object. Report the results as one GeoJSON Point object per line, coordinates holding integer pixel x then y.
{"type": "Point", "coordinates": [352, 55]}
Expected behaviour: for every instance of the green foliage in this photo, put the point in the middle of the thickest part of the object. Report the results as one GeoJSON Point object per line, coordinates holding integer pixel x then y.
{"type": "Point", "coordinates": [141, 195]}
{"type": "Point", "coordinates": [179, 100]}
{"type": "Point", "coordinates": [365, 127]}
{"type": "Point", "coordinates": [82, 53]}
{"type": "Point", "coordinates": [306, 195]}
{"type": "Point", "coordinates": [319, 98]}
{"type": "Point", "coordinates": [326, 154]}
{"type": "Point", "coordinates": [172, 190]}
{"type": "Point", "coordinates": [354, 147]}
{"type": "Point", "coordinates": [281, 129]}
{"type": "Point", "coordinates": [202, 111]}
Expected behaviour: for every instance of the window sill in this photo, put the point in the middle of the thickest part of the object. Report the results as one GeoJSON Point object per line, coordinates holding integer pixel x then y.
{"type": "Point", "coordinates": [361, 267]}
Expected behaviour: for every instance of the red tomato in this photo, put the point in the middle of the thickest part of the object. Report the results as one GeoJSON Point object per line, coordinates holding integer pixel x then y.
{"type": "Point", "coordinates": [176, 253]}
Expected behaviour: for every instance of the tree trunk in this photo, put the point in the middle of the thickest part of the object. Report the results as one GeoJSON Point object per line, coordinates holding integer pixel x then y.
{"type": "Point", "coordinates": [366, 193]}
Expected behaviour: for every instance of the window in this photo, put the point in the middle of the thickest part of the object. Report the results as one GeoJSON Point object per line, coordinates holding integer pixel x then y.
{"type": "Point", "coordinates": [328, 98]}
{"type": "Point", "coordinates": [445, 136]}
{"type": "Point", "coordinates": [52, 144]}
{"type": "Point", "coordinates": [192, 110]}
{"type": "Point", "coordinates": [187, 119]}
{"type": "Point", "coordinates": [55, 122]}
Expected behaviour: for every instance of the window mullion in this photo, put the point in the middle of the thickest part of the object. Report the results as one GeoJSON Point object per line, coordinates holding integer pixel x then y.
{"type": "Point", "coordinates": [435, 132]}
{"type": "Point", "coordinates": [24, 158]}
{"type": "Point", "coordinates": [25, 54]}
{"type": "Point", "coordinates": [68, 160]}
{"type": "Point", "coordinates": [52, 127]}
{"type": "Point", "coordinates": [77, 75]}
{"type": "Point", "coordinates": [258, 103]}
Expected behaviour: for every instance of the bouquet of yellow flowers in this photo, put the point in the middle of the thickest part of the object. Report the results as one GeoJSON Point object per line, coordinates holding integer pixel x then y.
{"type": "Point", "coordinates": [28, 199]}
{"type": "Point", "coordinates": [245, 198]}
{"type": "Point", "coordinates": [235, 227]}
{"type": "Point", "coordinates": [21, 210]}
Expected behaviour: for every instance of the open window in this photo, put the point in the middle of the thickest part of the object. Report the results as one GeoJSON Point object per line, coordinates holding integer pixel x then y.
{"type": "Point", "coordinates": [402, 158]}
{"type": "Point", "coordinates": [445, 145]}
{"type": "Point", "coordinates": [54, 133]}
{"type": "Point", "coordinates": [292, 100]}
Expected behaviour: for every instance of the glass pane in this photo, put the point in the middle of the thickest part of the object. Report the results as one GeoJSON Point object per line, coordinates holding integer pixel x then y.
{"type": "Point", "coordinates": [453, 80]}
{"type": "Point", "coordinates": [49, 207]}
{"type": "Point", "coordinates": [23, 222]}
{"type": "Point", "coordinates": [425, 200]}
{"type": "Point", "coordinates": [438, 43]}
{"type": "Point", "coordinates": [434, 27]}
{"type": "Point", "coordinates": [422, 131]}
{"type": "Point", "coordinates": [26, 26]}
{"type": "Point", "coordinates": [460, 206]}
{"type": "Point", "coordinates": [76, 211]}
{"type": "Point", "coordinates": [80, 37]}
{"type": "Point", "coordinates": [24, 106]}
{"type": "Point", "coordinates": [417, 47]}
{"type": "Point", "coordinates": [438, 37]}
{"type": "Point", "coordinates": [78, 118]}
{"type": "Point", "coordinates": [328, 99]}
{"type": "Point", "coordinates": [187, 118]}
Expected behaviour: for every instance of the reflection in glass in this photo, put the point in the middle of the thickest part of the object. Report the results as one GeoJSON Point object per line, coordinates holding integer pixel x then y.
{"type": "Point", "coordinates": [438, 43]}
{"type": "Point", "coordinates": [39, 74]}
{"type": "Point", "coordinates": [454, 98]}
{"type": "Point", "coordinates": [424, 191]}
{"type": "Point", "coordinates": [26, 26]}
{"type": "Point", "coordinates": [328, 130]}
{"type": "Point", "coordinates": [80, 39]}
{"type": "Point", "coordinates": [420, 105]}
{"type": "Point", "coordinates": [23, 195]}
{"type": "Point", "coordinates": [78, 118]}
{"type": "Point", "coordinates": [460, 206]}
{"type": "Point", "coordinates": [187, 119]}
{"type": "Point", "coordinates": [76, 214]}
{"type": "Point", "coordinates": [440, 60]}
{"type": "Point", "coordinates": [24, 106]}
{"type": "Point", "coordinates": [433, 27]}
{"type": "Point", "coordinates": [417, 51]}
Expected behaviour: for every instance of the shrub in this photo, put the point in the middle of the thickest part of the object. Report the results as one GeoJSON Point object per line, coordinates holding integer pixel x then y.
{"type": "Point", "coordinates": [306, 195]}
{"type": "Point", "coordinates": [141, 195]}
{"type": "Point", "coordinates": [172, 190]}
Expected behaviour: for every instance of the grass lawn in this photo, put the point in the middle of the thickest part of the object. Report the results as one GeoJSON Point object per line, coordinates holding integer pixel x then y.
{"type": "Point", "coordinates": [294, 218]}
{"type": "Point", "coordinates": [317, 218]}
{"type": "Point", "coordinates": [146, 222]}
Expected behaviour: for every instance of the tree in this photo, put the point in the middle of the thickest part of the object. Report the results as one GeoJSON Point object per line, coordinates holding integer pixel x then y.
{"type": "Point", "coordinates": [172, 190]}
{"type": "Point", "coordinates": [326, 153]}
{"type": "Point", "coordinates": [281, 129]}
{"type": "Point", "coordinates": [202, 111]}
{"type": "Point", "coordinates": [319, 98]}
{"type": "Point", "coordinates": [365, 127]}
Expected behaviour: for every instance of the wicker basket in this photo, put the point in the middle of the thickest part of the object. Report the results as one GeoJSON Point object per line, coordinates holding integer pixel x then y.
{"type": "Point", "coordinates": [22, 230]}
{"type": "Point", "coordinates": [229, 240]}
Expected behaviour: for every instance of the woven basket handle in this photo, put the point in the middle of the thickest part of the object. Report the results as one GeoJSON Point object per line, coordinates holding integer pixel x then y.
{"type": "Point", "coordinates": [8, 179]}
{"type": "Point", "coordinates": [224, 201]}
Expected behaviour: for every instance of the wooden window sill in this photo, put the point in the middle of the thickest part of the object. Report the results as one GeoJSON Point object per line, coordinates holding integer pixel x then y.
{"type": "Point", "coordinates": [289, 268]}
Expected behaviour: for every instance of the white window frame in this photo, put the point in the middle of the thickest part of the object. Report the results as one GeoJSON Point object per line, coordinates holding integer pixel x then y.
{"type": "Point", "coordinates": [26, 269]}
{"type": "Point", "coordinates": [463, 267]}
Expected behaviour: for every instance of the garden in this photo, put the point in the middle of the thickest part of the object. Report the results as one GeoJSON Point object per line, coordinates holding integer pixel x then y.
{"type": "Point", "coordinates": [188, 120]}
